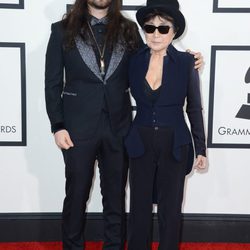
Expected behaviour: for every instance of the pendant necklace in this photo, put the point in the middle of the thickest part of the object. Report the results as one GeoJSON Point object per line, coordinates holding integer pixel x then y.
{"type": "Point", "coordinates": [101, 53]}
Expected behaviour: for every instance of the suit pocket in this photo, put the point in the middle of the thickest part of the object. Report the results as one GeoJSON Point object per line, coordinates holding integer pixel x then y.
{"type": "Point", "coordinates": [69, 93]}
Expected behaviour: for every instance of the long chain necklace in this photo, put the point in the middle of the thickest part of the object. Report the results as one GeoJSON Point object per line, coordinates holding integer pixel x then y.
{"type": "Point", "coordinates": [101, 53]}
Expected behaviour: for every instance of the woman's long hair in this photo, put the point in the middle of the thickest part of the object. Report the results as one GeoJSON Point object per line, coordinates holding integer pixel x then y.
{"type": "Point", "coordinates": [119, 28]}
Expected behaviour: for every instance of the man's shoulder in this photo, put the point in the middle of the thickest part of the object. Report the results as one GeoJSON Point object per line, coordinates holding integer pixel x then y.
{"type": "Point", "coordinates": [129, 23]}
{"type": "Point", "coordinates": [129, 20]}
{"type": "Point", "coordinates": [58, 26]}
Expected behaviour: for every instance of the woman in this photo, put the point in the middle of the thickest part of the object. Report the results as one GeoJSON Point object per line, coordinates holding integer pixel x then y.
{"type": "Point", "coordinates": [159, 142]}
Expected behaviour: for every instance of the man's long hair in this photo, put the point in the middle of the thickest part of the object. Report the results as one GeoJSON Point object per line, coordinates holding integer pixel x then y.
{"type": "Point", "coordinates": [119, 28]}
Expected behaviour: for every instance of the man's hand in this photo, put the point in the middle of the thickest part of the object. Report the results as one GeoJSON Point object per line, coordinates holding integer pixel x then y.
{"type": "Point", "coordinates": [63, 140]}
{"type": "Point", "coordinates": [198, 59]}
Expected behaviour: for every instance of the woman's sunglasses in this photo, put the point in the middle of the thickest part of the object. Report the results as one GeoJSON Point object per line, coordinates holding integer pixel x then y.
{"type": "Point", "coordinates": [163, 29]}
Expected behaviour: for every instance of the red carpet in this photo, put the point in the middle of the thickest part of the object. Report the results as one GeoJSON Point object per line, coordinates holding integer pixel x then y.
{"type": "Point", "coordinates": [97, 246]}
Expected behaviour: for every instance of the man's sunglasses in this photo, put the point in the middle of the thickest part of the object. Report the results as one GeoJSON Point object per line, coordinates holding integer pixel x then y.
{"type": "Point", "coordinates": [163, 29]}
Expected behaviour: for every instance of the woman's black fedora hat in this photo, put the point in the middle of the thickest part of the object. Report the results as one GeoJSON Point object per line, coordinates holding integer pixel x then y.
{"type": "Point", "coordinates": [170, 7]}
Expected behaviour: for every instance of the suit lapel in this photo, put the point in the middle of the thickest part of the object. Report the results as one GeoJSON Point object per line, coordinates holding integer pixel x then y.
{"type": "Point", "coordinates": [116, 57]}
{"type": "Point", "coordinates": [88, 56]}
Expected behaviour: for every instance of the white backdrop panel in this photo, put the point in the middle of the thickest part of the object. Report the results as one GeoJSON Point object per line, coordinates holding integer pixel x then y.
{"type": "Point", "coordinates": [10, 96]}
{"type": "Point", "coordinates": [9, 1]}
{"type": "Point", "coordinates": [233, 3]}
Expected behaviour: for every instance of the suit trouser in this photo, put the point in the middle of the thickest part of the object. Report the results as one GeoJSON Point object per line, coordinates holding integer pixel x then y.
{"type": "Point", "coordinates": [156, 170]}
{"type": "Point", "coordinates": [108, 150]}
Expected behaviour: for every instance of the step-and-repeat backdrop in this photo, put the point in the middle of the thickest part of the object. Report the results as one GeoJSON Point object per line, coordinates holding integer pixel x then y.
{"type": "Point", "coordinates": [31, 166]}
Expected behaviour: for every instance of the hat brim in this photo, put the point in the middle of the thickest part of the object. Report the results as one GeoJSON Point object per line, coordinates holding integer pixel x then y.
{"type": "Point", "coordinates": [178, 17]}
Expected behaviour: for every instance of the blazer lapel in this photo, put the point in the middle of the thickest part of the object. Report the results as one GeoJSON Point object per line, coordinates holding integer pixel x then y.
{"type": "Point", "coordinates": [143, 66]}
{"type": "Point", "coordinates": [116, 57]}
{"type": "Point", "coordinates": [88, 56]}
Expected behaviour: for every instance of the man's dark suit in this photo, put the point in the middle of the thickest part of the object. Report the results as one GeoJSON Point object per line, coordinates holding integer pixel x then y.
{"type": "Point", "coordinates": [97, 113]}
{"type": "Point", "coordinates": [85, 90]}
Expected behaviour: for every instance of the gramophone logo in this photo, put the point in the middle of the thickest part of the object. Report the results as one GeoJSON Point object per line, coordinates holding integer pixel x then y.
{"type": "Point", "coordinates": [229, 98]}
{"type": "Point", "coordinates": [244, 111]}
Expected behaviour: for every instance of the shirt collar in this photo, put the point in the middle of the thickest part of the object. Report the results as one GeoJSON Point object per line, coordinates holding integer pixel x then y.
{"type": "Point", "coordinates": [171, 52]}
{"type": "Point", "coordinates": [94, 20]}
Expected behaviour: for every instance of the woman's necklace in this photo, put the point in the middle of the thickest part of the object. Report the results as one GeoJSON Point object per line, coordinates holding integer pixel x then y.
{"type": "Point", "coordinates": [101, 53]}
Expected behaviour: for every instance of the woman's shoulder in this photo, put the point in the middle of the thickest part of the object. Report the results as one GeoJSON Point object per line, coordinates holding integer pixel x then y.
{"type": "Point", "coordinates": [137, 59]}
{"type": "Point", "coordinates": [182, 57]}
{"type": "Point", "coordinates": [140, 53]}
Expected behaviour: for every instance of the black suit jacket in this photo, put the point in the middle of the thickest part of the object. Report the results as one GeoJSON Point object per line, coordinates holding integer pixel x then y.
{"type": "Point", "coordinates": [75, 90]}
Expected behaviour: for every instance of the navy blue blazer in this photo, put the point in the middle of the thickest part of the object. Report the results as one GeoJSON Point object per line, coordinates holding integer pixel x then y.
{"type": "Point", "coordinates": [180, 83]}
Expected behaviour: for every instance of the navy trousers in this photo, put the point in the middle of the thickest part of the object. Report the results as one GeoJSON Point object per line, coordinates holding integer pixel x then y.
{"type": "Point", "coordinates": [156, 171]}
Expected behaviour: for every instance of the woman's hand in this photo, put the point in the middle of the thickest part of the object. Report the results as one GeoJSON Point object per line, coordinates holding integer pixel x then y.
{"type": "Point", "coordinates": [200, 162]}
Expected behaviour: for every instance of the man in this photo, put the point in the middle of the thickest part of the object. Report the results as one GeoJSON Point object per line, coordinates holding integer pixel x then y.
{"type": "Point", "coordinates": [88, 104]}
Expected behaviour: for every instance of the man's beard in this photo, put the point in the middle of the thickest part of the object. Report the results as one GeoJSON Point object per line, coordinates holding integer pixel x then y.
{"type": "Point", "coordinates": [99, 4]}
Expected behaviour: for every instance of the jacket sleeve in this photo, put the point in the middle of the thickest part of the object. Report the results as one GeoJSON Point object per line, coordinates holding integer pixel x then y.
{"type": "Point", "coordinates": [54, 68]}
{"type": "Point", "coordinates": [194, 110]}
